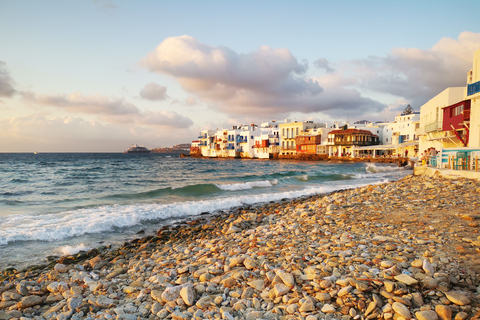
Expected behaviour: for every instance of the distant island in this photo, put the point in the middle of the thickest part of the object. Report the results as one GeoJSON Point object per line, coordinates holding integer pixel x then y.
{"type": "Point", "coordinates": [179, 148]}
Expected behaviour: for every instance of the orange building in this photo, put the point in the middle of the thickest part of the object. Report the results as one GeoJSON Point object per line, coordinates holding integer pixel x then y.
{"type": "Point", "coordinates": [307, 144]}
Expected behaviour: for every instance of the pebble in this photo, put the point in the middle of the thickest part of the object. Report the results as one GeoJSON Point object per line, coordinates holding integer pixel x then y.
{"type": "Point", "coordinates": [457, 298]}
{"type": "Point", "coordinates": [388, 251]}
{"type": "Point", "coordinates": [401, 310]}
{"type": "Point", "coordinates": [443, 312]}
{"type": "Point", "coordinates": [426, 315]}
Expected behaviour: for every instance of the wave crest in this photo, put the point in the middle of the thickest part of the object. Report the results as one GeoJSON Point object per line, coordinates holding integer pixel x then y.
{"type": "Point", "coordinates": [246, 185]}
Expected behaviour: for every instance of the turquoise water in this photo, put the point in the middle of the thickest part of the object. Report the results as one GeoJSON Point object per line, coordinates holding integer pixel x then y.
{"type": "Point", "coordinates": [53, 204]}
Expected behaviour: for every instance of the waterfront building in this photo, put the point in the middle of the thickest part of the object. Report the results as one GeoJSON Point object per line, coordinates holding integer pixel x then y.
{"type": "Point", "coordinates": [455, 124]}
{"type": "Point", "coordinates": [473, 94]}
{"type": "Point", "coordinates": [266, 144]}
{"type": "Point", "coordinates": [430, 132]}
{"type": "Point", "coordinates": [195, 148]}
{"type": "Point", "coordinates": [343, 142]}
{"type": "Point", "coordinates": [206, 138]}
{"type": "Point", "coordinates": [290, 130]}
{"type": "Point", "coordinates": [307, 143]}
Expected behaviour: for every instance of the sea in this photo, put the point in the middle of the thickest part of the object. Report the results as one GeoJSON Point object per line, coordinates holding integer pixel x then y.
{"type": "Point", "coordinates": [54, 204]}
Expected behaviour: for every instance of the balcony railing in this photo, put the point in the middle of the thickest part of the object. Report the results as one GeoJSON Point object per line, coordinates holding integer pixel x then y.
{"type": "Point", "coordinates": [434, 126]}
{"type": "Point", "coordinates": [473, 88]}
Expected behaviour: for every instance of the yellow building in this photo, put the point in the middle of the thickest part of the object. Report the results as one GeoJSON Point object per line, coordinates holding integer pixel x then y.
{"type": "Point", "coordinates": [289, 130]}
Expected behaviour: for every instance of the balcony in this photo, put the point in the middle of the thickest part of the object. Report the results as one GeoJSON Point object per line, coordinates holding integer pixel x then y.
{"type": "Point", "coordinates": [434, 126]}
{"type": "Point", "coordinates": [473, 88]}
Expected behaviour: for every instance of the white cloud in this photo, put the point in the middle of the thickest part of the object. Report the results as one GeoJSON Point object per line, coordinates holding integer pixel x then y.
{"type": "Point", "coordinates": [271, 82]}
{"type": "Point", "coordinates": [78, 103]}
{"type": "Point", "coordinates": [191, 101]}
{"type": "Point", "coordinates": [154, 92]}
{"type": "Point", "coordinates": [108, 110]}
{"type": "Point", "coordinates": [418, 75]}
{"type": "Point", "coordinates": [7, 85]}
{"type": "Point", "coordinates": [268, 80]}
{"type": "Point", "coordinates": [44, 133]}
{"type": "Point", "coordinates": [165, 118]}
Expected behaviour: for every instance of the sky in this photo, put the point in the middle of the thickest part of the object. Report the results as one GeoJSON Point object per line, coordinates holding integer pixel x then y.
{"type": "Point", "coordinates": [101, 75]}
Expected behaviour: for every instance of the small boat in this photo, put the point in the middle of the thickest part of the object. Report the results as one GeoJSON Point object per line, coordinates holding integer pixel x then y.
{"type": "Point", "coordinates": [137, 149]}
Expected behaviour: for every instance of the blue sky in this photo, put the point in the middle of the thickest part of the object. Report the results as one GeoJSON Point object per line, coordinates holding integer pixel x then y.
{"type": "Point", "coordinates": [100, 75]}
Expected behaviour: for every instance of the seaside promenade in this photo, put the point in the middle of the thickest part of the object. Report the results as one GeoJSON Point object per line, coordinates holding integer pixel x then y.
{"type": "Point", "coordinates": [402, 250]}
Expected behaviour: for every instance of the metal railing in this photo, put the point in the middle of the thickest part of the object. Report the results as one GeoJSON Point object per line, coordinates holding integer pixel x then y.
{"type": "Point", "coordinates": [434, 126]}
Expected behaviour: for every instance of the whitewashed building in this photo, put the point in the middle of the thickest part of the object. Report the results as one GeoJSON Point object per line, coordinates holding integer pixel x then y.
{"type": "Point", "coordinates": [431, 132]}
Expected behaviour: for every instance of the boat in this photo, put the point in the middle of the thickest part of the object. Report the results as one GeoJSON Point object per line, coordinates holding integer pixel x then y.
{"type": "Point", "coordinates": [137, 149]}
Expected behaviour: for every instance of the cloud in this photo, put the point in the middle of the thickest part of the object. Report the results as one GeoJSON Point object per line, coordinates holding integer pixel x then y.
{"type": "Point", "coordinates": [343, 99]}
{"type": "Point", "coordinates": [418, 75]}
{"type": "Point", "coordinates": [108, 109]}
{"type": "Point", "coordinates": [44, 133]}
{"type": "Point", "coordinates": [78, 103]}
{"type": "Point", "coordinates": [7, 85]}
{"type": "Point", "coordinates": [154, 92]}
{"type": "Point", "coordinates": [271, 82]}
{"type": "Point", "coordinates": [322, 63]}
{"type": "Point", "coordinates": [191, 101]}
{"type": "Point", "coordinates": [165, 118]}
{"type": "Point", "coordinates": [268, 80]}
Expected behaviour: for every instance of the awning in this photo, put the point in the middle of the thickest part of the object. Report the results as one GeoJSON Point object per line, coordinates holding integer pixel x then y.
{"type": "Point", "coordinates": [408, 144]}
{"type": "Point", "coordinates": [379, 147]}
{"type": "Point", "coordinates": [389, 146]}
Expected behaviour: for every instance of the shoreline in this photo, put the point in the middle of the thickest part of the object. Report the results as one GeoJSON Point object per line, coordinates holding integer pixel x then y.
{"type": "Point", "coordinates": [402, 161]}
{"type": "Point", "coordinates": [293, 247]}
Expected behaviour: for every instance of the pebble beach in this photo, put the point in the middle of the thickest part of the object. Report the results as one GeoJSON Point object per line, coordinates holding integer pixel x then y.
{"type": "Point", "coordinates": [407, 249]}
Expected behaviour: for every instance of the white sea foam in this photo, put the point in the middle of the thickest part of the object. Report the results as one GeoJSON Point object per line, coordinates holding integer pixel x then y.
{"type": "Point", "coordinates": [303, 177]}
{"type": "Point", "coordinates": [69, 250]}
{"type": "Point", "coordinates": [63, 225]}
{"type": "Point", "coordinates": [371, 167]}
{"type": "Point", "coordinates": [245, 185]}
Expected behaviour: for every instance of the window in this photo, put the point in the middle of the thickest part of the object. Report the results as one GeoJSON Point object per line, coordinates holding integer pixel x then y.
{"type": "Point", "coordinates": [458, 110]}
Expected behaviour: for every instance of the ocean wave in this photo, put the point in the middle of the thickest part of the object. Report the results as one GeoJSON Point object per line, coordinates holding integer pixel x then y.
{"type": "Point", "coordinates": [372, 168]}
{"type": "Point", "coordinates": [303, 177]}
{"type": "Point", "coordinates": [63, 225]}
{"type": "Point", "coordinates": [246, 185]}
{"type": "Point", "coordinates": [191, 190]}
{"type": "Point", "coordinates": [70, 250]}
